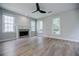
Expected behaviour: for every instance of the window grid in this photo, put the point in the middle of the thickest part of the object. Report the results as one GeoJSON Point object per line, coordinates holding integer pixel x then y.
{"type": "Point", "coordinates": [56, 26]}
{"type": "Point", "coordinates": [40, 26]}
{"type": "Point", "coordinates": [33, 25]}
{"type": "Point", "coordinates": [8, 23]}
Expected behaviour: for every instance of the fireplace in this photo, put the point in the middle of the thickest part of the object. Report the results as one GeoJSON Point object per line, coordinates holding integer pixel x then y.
{"type": "Point", "coordinates": [23, 32]}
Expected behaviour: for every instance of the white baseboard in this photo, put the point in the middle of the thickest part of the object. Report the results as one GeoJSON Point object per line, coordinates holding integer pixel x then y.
{"type": "Point", "coordinates": [73, 40]}
{"type": "Point", "coordinates": [4, 40]}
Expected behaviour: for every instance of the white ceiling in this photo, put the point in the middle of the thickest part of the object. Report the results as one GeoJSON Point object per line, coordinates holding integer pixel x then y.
{"type": "Point", "coordinates": [27, 8]}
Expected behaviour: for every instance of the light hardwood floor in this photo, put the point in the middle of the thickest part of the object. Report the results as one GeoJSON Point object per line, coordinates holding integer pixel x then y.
{"type": "Point", "coordinates": [39, 46]}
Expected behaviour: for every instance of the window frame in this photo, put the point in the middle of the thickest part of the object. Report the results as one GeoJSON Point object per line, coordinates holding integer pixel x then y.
{"type": "Point", "coordinates": [33, 26]}
{"type": "Point", "coordinates": [59, 29]}
{"type": "Point", "coordinates": [40, 24]}
{"type": "Point", "coordinates": [8, 23]}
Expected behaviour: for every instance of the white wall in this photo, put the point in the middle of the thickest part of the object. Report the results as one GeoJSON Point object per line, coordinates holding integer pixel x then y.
{"type": "Point", "coordinates": [5, 36]}
{"type": "Point", "coordinates": [69, 25]}
{"type": "Point", "coordinates": [19, 21]}
{"type": "Point", "coordinates": [23, 22]}
{"type": "Point", "coordinates": [0, 23]}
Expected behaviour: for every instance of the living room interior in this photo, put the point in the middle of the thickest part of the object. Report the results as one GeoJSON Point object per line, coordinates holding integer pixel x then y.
{"type": "Point", "coordinates": [39, 29]}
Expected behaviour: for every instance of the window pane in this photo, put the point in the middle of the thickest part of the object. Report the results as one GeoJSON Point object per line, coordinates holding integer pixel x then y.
{"type": "Point", "coordinates": [39, 26]}
{"type": "Point", "coordinates": [11, 29]}
{"type": "Point", "coordinates": [11, 20]}
{"type": "Point", "coordinates": [56, 25]}
{"type": "Point", "coordinates": [33, 25]}
{"type": "Point", "coordinates": [33, 28]}
{"type": "Point", "coordinates": [6, 28]}
{"type": "Point", "coordinates": [5, 19]}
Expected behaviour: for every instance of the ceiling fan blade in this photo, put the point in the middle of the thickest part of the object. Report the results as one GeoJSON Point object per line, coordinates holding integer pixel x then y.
{"type": "Point", "coordinates": [37, 6]}
{"type": "Point", "coordinates": [41, 11]}
{"type": "Point", "coordinates": [38, 9]}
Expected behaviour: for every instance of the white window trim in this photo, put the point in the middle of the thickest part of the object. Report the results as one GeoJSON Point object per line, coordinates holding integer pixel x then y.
{"type": "Point", "coordinates": [53, 28]}
{"type": "Point", "coordinates": [3, 24]}
{"type": "Point", "coordinates": [33, 26]}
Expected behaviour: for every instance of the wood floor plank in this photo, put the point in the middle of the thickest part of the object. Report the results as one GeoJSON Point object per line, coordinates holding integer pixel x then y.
{"type": "Point", "coordinates": [39, 46]}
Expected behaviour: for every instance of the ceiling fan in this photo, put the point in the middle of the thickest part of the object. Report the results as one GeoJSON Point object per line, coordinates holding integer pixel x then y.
{"type": "Point", "coordinates": [38, 9]}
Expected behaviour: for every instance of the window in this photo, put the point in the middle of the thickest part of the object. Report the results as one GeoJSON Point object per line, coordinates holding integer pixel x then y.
{"type": "Point", "coordinates": [56, 26]}
{"type": "Point", "coordinates": [32, 25]}
{"type": "Point", "coordinates": [39, 26]}
{"type": "Point", "coordinates": [8, 23]}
